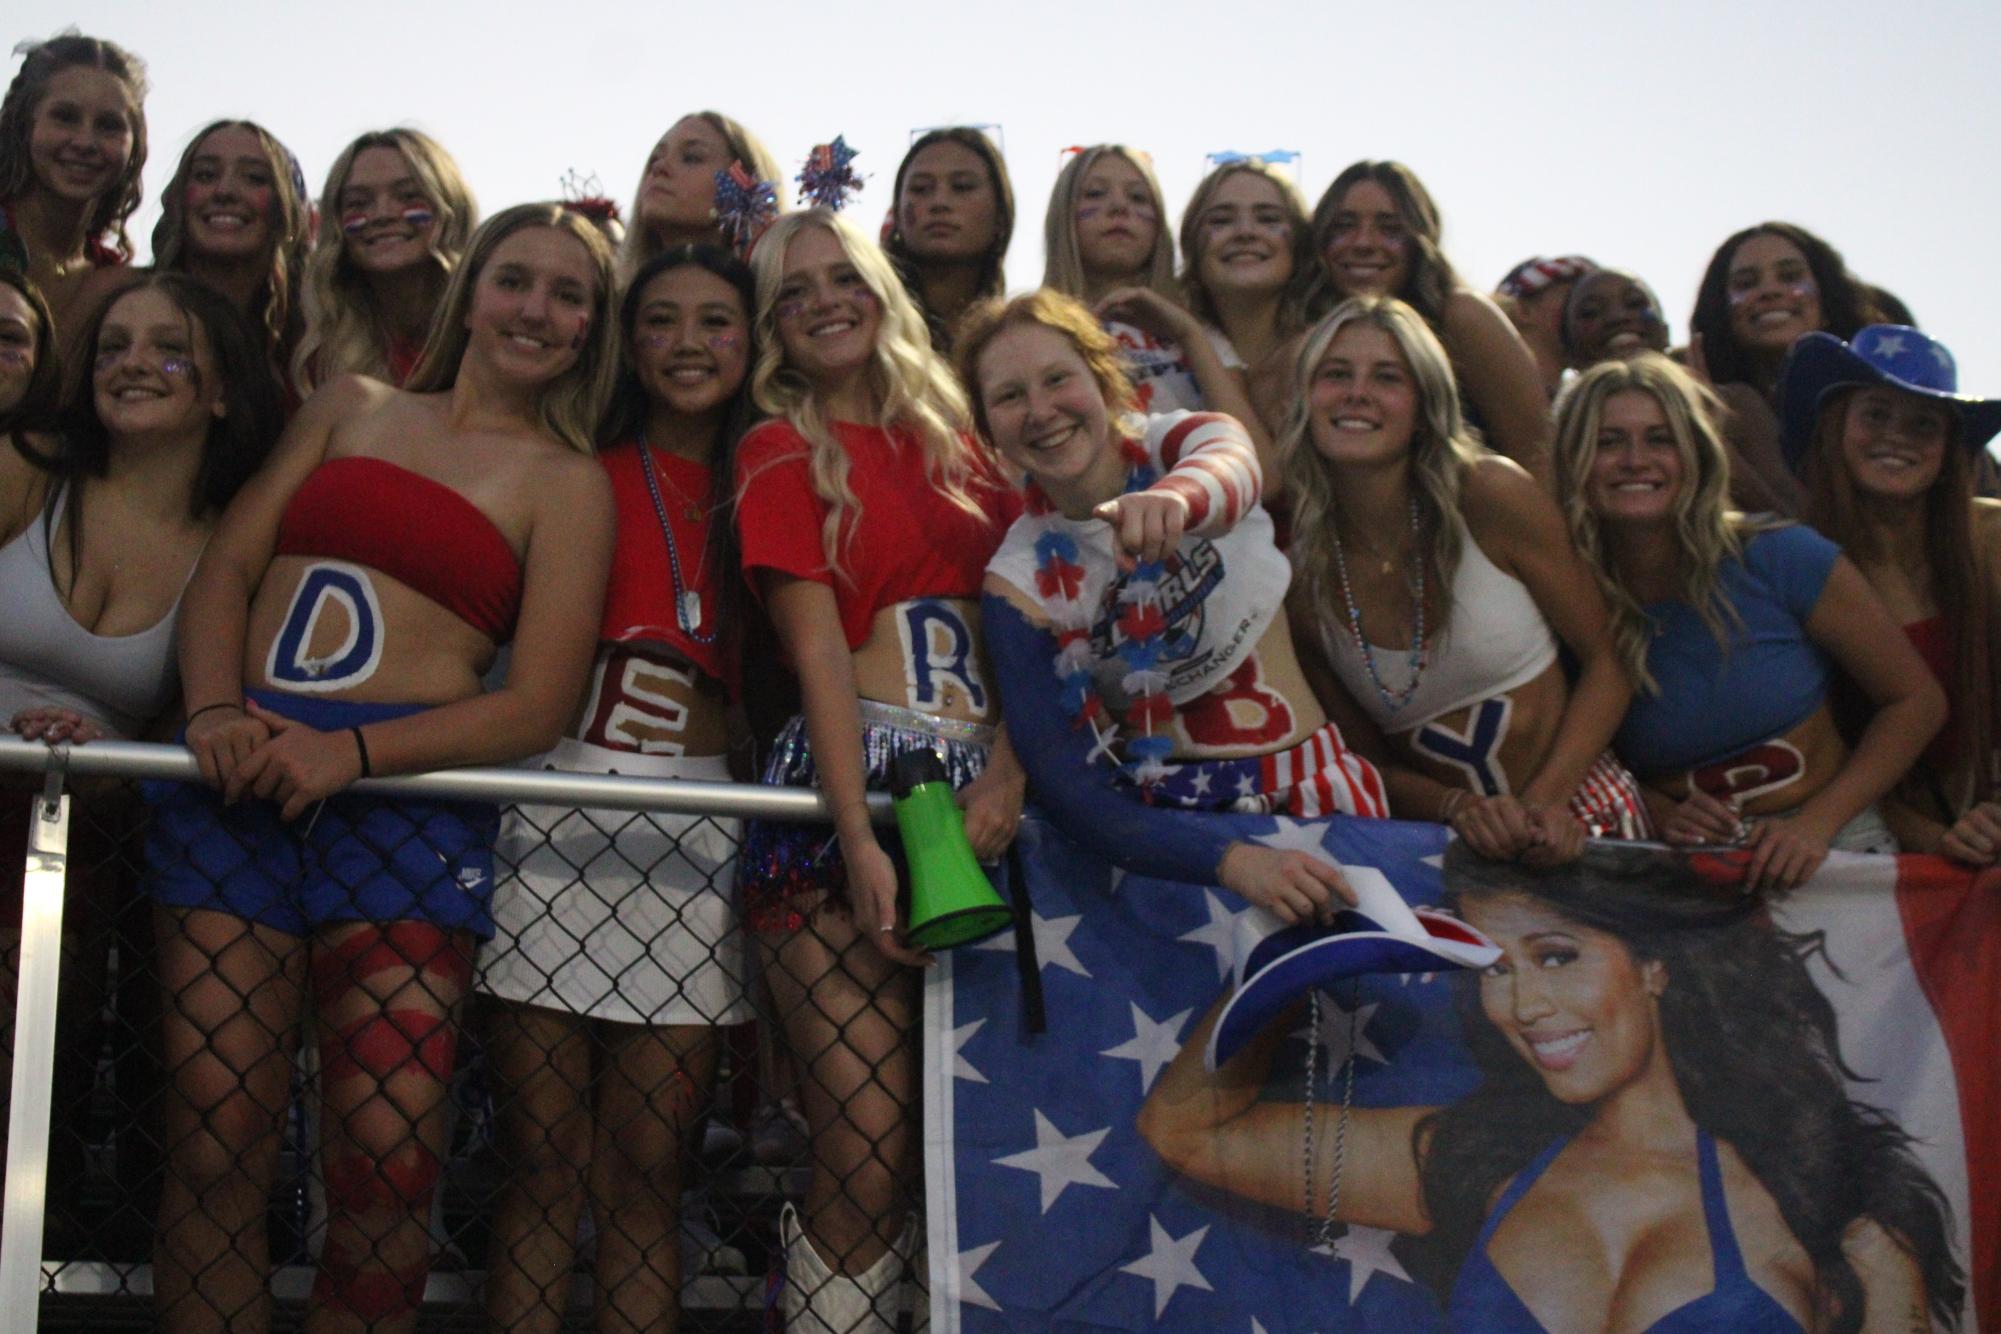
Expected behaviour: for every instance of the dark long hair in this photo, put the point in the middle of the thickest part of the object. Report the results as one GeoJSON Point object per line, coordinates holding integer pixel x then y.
{"type": "Point", "coordinates": [1744, 1028]}
{"type": "Point", "coordinates": [41, 62]}
{"type": "Point", "coordinates": [1430, 280]}
{"type": "Point", "coordinates": [1845, 305]}
{"type": "Point", "coordinates": [1956, 582]}
{"type": "Point", "coordinates": [626, 419]}
{"type": "Point", "coordinates": [993, 281]}
{"type": "Point", "coordinates": [236, 443]}
{"type": "Point", "coordinates": [38, 400]}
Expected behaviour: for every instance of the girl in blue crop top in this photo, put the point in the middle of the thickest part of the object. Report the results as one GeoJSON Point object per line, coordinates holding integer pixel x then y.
{"type": "Point", "coordinates": [1603, 1175]}
{"type": "Point", "coordinates": [1731, 630]}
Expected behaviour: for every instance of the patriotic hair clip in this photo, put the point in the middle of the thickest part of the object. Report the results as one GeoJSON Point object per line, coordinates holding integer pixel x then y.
{"type": "Point", "coordinates": [745, 207]}
{"type": "Point", "coordinates": [828, 178]}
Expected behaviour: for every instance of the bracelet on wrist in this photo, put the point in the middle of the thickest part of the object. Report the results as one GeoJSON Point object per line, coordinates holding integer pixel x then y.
{"type": "Point", "coordinates": [219, 704]}
{"type": "Point", "coordinates": [367, 769]}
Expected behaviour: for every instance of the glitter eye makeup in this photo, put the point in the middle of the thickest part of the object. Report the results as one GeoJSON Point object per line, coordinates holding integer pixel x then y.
{"type": "Point", "coordinates": [654, 342]}
{"type": "Point", "coordinates": [791, 309]}
{"type": "Point", "coordinates": [1144, 212]}
{"type": "Point", "coordinates": [418, 216]}
{"type": "Point", "coordinates": [354, 224]}
{"type": "Point", "coordinates": [176, 366]}
{"type": "Point", "coordinates": [13, 356]}
{"type": "Point", "coordinates": [723, 341]}
{"type": "Point", "coordinates": [1086, 212]}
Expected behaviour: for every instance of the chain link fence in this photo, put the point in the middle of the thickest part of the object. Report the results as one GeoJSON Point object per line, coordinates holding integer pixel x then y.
{"type": "Point", "coordinates": [248, 1122]}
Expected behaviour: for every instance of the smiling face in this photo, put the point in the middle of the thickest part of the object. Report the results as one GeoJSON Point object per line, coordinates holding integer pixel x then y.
{"type": "Point", "coordinates": [948, 210]}
{"type": "Point", "coordinates": [1362, 400]}
{"type": "Point", "coordinates": [81, 135]}
{"type": "Point", "coordinates": [678, 191]}
{"type": "Point", "coordinates": [1117, 221]}
{"type": "Point", "coordinates": [1244, 238]}
{"type": "Point", "coordinates": [1772, 294]}
{"type": "Point", "coordinates": [530, 313]}
{"type": "Point", "coordinates": [154, 373]}
{"type": "Point", "coordinates": [1571, 1001]}
{"type": "Point", "coordinates": [691, 340]}
{"type": "Point", "coordinates": [1611, 315]}
{"type": "Point", "coordinates": [1046, 414]}
{"type": "Point", "coordinates": [230, 201]}
{"type": "Point", "coordinates": [1893, 443]}
{"type": "Point", "coordinates": [1638, 466]}
{"type": "Point", "coordinates": [20, 326]}
{"type": "Point", "coordinates": [828, 319]}
{"type": "Point", "coordinates": [387, 222]}
{"type": "Point", "coordinates": [1368, 245]}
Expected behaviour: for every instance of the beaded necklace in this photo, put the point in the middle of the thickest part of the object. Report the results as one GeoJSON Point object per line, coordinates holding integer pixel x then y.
{"type": "Point", "coordinates": [687, 601]}
{"type": "Point", "coordinates": [1059, 580]}
{"type": "Point", "coordinates": [1393, 701]}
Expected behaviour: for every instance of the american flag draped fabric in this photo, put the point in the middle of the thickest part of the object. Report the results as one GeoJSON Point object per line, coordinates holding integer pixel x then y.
{"type": "Point", "coordinates": [1049, 1212]}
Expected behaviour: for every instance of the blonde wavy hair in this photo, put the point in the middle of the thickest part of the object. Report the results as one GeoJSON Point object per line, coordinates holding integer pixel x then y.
{"type": "Point", "coordinates": [1063, 265]}
{"type": "Point", "coordinates": [277, 314]}
{"type": "Point", "coordinates": [744, 147]}
{"type": "Point", "coordinates": [912, 385]}
{"type": "Point", "coordinates": [573, 405]}
{"type": "Point", "coordinates": [1442, 448]}
{"type": "Point", "coordinates": [1707, 532]}
{"type": "Point", "coordinates": [343, 332]}
{"type": "Point", "coordinates": [1299, 288]}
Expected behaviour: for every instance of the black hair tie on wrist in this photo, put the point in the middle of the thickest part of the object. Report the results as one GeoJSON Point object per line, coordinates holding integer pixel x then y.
{"type": "Point", "coordinates": [367, 770]}
{"type": "Point", "coordinates": [219, 704]}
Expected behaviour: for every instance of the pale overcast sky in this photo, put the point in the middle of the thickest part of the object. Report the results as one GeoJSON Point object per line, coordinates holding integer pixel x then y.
{"type": "Point", "coordinates": [1638, 134]}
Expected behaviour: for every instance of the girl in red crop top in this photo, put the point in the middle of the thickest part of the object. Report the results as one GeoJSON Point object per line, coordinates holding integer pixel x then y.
{"type": "Point", "coordinates": [616, 954]}
{"type": "Point", "coordinates": [866, 516]}
{"type": "Point", "coordinates": [1887, 450]}
{"type": "Point", "coordinates": [361, 581]}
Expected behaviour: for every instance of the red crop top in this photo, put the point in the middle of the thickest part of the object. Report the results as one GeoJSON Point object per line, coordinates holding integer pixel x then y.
{"type": "Point", "coordinates": [415, 530]}
{"type": "Point", "coordinates": [639, 601]}
{"type": "Point", "coordinates": [911, 542]}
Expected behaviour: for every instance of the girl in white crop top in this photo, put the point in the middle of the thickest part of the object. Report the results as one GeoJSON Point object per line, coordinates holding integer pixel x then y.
{"type": "Point", "coordinates": [101, 523]}
{"type": "Point", "coordinates": [1433, 582]}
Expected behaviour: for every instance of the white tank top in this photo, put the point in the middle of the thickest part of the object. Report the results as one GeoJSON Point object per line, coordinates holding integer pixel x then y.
{"type": "Point", "coordinates": [1495, 640]}
{"type": "Point", "coordinates": [47, 660]}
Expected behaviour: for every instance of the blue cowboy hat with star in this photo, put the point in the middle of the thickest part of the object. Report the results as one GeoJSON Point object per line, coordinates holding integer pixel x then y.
{"type": "Point", "coordinates": [1895, 356]}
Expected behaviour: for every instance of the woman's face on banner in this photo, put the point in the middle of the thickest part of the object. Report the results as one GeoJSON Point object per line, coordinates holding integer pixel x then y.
{"type": "Point", "coordinates": [1573, 1002]}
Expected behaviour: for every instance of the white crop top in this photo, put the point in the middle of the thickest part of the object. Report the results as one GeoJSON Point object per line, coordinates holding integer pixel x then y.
{"type": "Point", "coordinates": [47, 660]}
{"type": "Point", "coordinates": [1495, 640]}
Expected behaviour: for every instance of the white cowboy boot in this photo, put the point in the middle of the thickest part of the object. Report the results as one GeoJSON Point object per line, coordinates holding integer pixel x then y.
{"type": "Point", "coordinates": [816, 1300]}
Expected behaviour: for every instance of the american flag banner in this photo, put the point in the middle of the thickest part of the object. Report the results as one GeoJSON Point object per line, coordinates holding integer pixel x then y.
{"type": "Point", "coordinates": [1049, 1211]}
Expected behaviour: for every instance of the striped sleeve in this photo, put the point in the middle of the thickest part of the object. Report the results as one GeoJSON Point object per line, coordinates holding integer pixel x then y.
{"type": "Point", "coordinates": [1208, 461]}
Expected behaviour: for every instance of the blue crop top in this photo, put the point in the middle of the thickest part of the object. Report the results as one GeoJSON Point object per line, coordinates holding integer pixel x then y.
{"type": "Point", "coordinates": [1482, 1299]}
{"type": "Point", "coordinates": [1712, 703]}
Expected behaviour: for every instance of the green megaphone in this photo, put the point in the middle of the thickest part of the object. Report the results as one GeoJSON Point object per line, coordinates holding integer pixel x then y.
{"type": "Point", "coordinates": [951, 900]}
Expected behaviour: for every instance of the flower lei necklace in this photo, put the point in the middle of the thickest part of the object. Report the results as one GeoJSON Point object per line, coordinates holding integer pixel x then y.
{"type": "Point", "coordinates": [1059, 579]}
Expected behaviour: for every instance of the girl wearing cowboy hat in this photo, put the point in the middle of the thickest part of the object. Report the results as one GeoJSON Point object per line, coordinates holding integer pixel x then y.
{"type": "Point", "coordinates": [1887, 449]}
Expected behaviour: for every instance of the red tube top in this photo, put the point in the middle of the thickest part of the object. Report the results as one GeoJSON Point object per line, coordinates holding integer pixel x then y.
{"type": "Point", "coordinates": [419, 532]}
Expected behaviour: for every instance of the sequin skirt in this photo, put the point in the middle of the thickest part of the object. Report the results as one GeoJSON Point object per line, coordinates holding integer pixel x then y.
{"type": "Point", "coordinates": [786, 865]}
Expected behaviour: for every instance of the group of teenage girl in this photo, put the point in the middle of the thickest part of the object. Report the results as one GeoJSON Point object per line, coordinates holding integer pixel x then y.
{"type": "Point", "coordinates": [1298, 528]}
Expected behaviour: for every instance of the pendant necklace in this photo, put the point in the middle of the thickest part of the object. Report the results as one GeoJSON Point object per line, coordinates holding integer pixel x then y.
{"type": "Point", "coordinates": [687, 601]}
{"type": "Point", "coordinates": [1393, 700]}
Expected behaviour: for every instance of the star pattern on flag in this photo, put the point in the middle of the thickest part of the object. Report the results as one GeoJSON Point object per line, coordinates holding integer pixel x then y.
{"type": "Point", "coordinates": [1366, 1251]}
{"type": "Point", "coordinates": [1153, 1044]}
{"type": "Point", "coordinates": [970, 1292]}
{"type": "Point", "coordinates": [961, 1067]}
{"type": "Point", "coordinates": [1219, 933]}
{"type": "Point", "coordinates": [1170, 1264]}
{"type": "Point", "coordinates": [1297, 836]}
{"type": "Point", "coordinates": [1052, 942]}
{"type": "Point", "coordinates": [1201, 784]}
{"type": "Point", "coordinates": [1890, 345]}
{"type": "Point", "coordinates": [1334, 1026]}
{"type": "Point", "coordinates": [1060, 1160]}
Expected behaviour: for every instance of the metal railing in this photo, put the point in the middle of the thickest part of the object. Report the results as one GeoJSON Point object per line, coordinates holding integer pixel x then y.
{"type": "Point", "coordinates": [24, 1276]}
